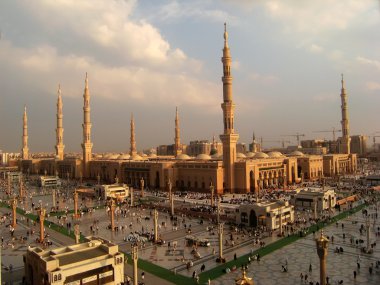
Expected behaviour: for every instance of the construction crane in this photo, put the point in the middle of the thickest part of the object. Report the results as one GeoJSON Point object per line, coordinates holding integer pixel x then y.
{"type": "Point", "coordinates": [333, 131]}
{"type": "Point", "coordinates": [282, 142]}
{"type": "Point", "coordinates": [297, 135]}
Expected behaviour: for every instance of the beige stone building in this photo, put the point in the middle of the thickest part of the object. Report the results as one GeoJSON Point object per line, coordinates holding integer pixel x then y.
{"type": "Point", "coordinates": [359, 144]}
{"type": "Point", "coordinates": [270, 214]}
{"type": "Point", "coordinates": [227, 165]}
{"type": "Point", "coordinates": [95, 261]}
{"type": "Point", "coordinates": [317, 199]}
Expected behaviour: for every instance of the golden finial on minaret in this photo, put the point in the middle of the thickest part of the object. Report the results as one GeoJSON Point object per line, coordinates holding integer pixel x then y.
{"type": "Point", "coordinates": [225, 35]}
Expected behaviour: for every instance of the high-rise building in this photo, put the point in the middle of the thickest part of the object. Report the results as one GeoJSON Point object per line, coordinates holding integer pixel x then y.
{"type": "Point", "coordinates": [359, 144]}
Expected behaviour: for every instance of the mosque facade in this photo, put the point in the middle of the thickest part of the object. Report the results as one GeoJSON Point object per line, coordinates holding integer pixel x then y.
{"type": "Point", "coordinates": [229, 172]}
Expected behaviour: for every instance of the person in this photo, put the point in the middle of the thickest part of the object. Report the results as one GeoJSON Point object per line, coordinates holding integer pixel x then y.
{"type": "Point", "coordinates": [354, 274]}
{"type": "Point", "coordinates": [142, 275]}
{"type": "Point", "coordinates": [235, 257]}
{"type": "Point", "coordinates": [209, 281]}
{"type": "Point", "coordinates": [203, 267]}
{"type": "Point", "coordinates": [310, 268]}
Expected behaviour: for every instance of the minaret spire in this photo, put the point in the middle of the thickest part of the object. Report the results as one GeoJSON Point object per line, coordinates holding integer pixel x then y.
{"type": "Point", "coordinates": [59, 147]}
{"type": "Point", "coordinates": [87, 144]}
{"type": "Point", "coordinates": [133, 140]}
{"type": "Point", "coordinates": [229, 137]}
{"type": "Point", "coordinates": [177, 139]}
{"type": "Point", "coordinates": [25, 148]}
{"type": "Point", "coordinates": [225, 36]}
{"type": "Point", "coordinates": [344, 142]}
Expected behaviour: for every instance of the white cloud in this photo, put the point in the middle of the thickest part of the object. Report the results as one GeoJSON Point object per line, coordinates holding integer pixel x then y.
{"type": "Point", "coordinates": [373, 86]}
{"type": "Point", "coordinates": [193, 9]}
{"type": "Point", "coordinates": [125, 58]}
{"type": "Point", "coordinates": [148, 86]}
{"type": "Point", "coordinates": [236, 64]}
{"type": "Point", "coordinates": [314, 48]}
{"type": "Point", "coordinates": [263, 78]}
{"type": "Point", "coordinates": [369, 62]}
{"type": "Point", "coordinates": [325, 97]}
{"type": "Point", "coordinates": [312, 17]}
{"type": "Point", "coordinates": [107, 27]}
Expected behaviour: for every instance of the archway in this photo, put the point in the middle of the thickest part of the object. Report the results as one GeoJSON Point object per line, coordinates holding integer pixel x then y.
{"type": "Point", "coordinates": [252, 219]}
{"type": "Point", "coordinates": [157, 182]}
{"type": "Point", "coordinates": [251, 182]}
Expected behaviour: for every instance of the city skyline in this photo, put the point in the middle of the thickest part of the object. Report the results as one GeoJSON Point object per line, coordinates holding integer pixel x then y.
{"type": "Point", "coordinates": [123, 45]}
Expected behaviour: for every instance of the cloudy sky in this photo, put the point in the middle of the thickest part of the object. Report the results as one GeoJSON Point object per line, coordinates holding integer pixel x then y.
{"type": "Point", "coordinates": [147, 57]}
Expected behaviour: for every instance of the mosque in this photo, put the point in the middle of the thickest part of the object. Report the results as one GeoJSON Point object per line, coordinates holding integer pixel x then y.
{"type": "Point", "coordinates": [229, 172]}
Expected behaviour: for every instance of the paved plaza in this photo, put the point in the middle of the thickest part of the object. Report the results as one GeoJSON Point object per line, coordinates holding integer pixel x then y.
{"type": "Point", "coordinates": [175, 253]}
{"type": "Point", "coordinates": [299, 255]}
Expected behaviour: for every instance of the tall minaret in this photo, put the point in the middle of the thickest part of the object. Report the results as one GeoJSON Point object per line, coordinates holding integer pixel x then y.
{"type": "Point", "coordinates": [254, 146]}
{"type": "Point", "coordinates": [344, 144]}
{"type": "Point", "coordinates": [132, 151]}
{"type": "Point", "coordinates": [177, 139]}
{"type": "Point", "coordinates": [229, 138]}
{"type": "Point", "coordinates": [59, 147]}
{"type": "Point", "coordinates": [87, 144]}
{"type": "Point", "coordinates": [25, 148]}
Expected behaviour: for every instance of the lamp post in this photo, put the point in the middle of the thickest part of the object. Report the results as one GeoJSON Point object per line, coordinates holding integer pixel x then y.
{"type": "Point", "coordinates": [170, 190]}
{"type": "Point", "coordinates": [41, 214]}
{"type": "Point", "coordinates": [76, 233]}
{"type": "Point", "coordinates": [220, 233]}
{"type": "Point", "coordinates": [172, 205]}
{"type": "Point", "coordinates": [14, 207]}
{"type": "Point", "coordinates": [132, 196]}
{"type": "Point", "coordinates": [142, 186]}
{"type": "Point", "coordinates": [76, 215]}
{"type": "Point", "coordinates": [155, 220]}
{"type": "Point", "coordinates": [322, 245]}
{"type": "Point", "coordinates": [112, 209]}
{"type": "Point", "coordinates": [212, 189]}
{"type": "Point", "coordinates": [135, 259]}
{"type": "Point", "coordinates": [367, 224]}
{"type": "Point", "coordinates": [218, 210]}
